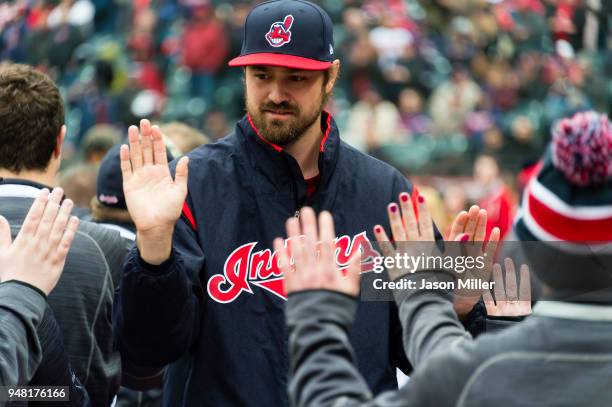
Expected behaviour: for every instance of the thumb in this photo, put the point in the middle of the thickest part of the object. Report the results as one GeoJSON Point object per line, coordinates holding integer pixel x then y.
{"type": "Point", "coordinates": [5, 234]}
{"type": "Point", "coordinates": [182, 170]}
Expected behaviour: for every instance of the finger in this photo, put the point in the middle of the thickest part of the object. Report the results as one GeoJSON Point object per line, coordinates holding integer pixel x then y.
{"type": "Point", "coordinates": [60, 223]}
{"type": "Point", "coordinates": [397, 226]}
{"type": "Point", "coordinates": [525, 284]}
{"type": "Point", "coordinates": [159, 146]}
{"type": "Point", "coordinates": [470, 226]}
{"type": "Point", "coordinates": [48, 217]}
{"type": "Point", "coordinates": [425, 222]}
{"type": "Point", "coordinates": [147, 141]}
{"type": "Point", "coordinates": [481, 226]}
{"type": "Point", "coordinates": [383, 241]}
{"type": "Point", "coordinates": [126, 166]}
{"type": "Point", "coordinates": [408, 217]}
{"type": "Point", "coordinates": [308, 220]}
{"type": "Point", "coordinates": [30, 224]}
{"type": "Point", "coordinates": [182, 173]}
{"type": "Point", "coordinates": [458, 225]}
{"type": "Point", "coordinates": [500, 292]}
{"type": "Point", "coordinates": [511, 286]}
{"type": "Point", "coordinates": [491, 244]}
{"type": "Point", "coordinates": [67, 238]}
{"type": "Point", "coordinates": [293, 233]}
{"type": "Point", "coordinates": [283, 259]}
{"type": "Point", "coordinates": [487, 298]}
{"type": "Point", "coordinates": [5, 233]}
{"type": "Point", "coordinates": [326, 231]}
{"type": "Point", "coordinates": [351, 280]}
{"type": "Point", "coordinates": [135, 147]}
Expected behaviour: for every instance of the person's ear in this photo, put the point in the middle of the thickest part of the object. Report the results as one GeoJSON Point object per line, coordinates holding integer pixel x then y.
{"type": "Point", "coordinates": [334, 70]}
{"type": "Point", "coordinates": [59, 142]}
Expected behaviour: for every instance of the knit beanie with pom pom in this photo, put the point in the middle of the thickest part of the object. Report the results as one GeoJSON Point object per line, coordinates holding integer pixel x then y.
{"type": "Point", "coordinates": [568, 205]}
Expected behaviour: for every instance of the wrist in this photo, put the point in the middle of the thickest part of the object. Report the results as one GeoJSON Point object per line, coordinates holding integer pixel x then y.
{"type": "Point", "coordinates": [155, 246]}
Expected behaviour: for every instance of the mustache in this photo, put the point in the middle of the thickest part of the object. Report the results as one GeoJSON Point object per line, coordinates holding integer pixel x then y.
{"type": "Point", "coordinates": [283, 107]}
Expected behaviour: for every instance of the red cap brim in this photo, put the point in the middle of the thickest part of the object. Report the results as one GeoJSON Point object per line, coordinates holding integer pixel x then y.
{"type": "Point", "coordinates": [288, 61]}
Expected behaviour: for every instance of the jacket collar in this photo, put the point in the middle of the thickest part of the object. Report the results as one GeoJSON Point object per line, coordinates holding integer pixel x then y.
{"type": "Point", "coordinates": [569, 310]}
{"type": "Point", "coordinates": [279, 167]}
{"type": "Point", "coordinates": [20, 188]}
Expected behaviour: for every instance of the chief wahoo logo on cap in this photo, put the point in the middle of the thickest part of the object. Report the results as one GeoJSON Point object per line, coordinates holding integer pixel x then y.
{"type": "Point", "coordinates": [280, 33]}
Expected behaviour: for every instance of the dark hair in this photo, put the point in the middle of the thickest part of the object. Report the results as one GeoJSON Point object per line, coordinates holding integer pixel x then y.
{"type": "Point", "coordinates": [32, 115]}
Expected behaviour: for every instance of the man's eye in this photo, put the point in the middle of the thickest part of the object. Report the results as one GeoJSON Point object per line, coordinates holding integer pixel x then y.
{"type": "Point", "coordinates": [261, 76]}
{"type": "Point", "coordinates": [297, 78]}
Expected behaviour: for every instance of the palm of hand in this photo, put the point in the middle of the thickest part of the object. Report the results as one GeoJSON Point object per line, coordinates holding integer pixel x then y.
{"type": "Point", "coordinates": [153, 198]}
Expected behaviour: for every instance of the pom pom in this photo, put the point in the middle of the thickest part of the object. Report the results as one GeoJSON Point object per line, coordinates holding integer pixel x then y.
{"type": "Point", "coordinates": [582, 148]}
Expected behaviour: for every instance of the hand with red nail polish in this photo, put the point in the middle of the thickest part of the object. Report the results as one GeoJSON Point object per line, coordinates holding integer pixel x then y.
{"type": "Point", "coordinates": [405, 228]}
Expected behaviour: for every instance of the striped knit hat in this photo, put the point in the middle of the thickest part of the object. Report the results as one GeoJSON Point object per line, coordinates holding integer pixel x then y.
{"type": "Point", "coordinates": [571, 197]}
{"type": "Point", "coordinates": [567, 210]}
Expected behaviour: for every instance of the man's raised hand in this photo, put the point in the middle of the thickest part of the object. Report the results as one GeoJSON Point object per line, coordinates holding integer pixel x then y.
{"type": "Point", "coordinates": [38, 254]}
{"type": "Point", "coordinates": [153, 198]}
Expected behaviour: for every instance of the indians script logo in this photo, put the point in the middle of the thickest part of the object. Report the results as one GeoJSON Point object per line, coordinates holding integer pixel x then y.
{"type": "Point", "coordinates": [280, 32]}
{"type": "Point", "coordinates": [244, 267]}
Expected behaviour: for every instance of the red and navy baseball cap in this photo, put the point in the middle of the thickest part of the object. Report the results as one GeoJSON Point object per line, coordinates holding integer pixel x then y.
{"type": "Point", "coordinates": [290, 33]}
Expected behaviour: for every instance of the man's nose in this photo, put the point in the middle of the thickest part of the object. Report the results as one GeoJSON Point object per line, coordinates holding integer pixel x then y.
{"type": "Point", "coordinates": [277, 95]}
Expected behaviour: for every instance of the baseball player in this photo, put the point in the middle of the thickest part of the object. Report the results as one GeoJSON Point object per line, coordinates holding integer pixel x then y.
{"type": "Point", "coordinates": [202, 291]}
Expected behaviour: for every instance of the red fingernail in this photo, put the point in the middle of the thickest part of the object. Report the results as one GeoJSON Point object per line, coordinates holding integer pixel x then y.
{"type": "Point", "coordinates": [393, 208]}
{"type": "Point", "coordinates": [404, 197]}
{"type": "Point", "coordinates": [465, 238]}
{"type": "Point", "coordinates": [421, 199]}
{"type": "Point", "coordinates": [378, 229]}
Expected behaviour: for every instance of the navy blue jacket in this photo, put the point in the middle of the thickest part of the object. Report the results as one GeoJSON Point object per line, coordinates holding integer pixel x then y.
{"type": "Point", "coordinates": [215, 310]}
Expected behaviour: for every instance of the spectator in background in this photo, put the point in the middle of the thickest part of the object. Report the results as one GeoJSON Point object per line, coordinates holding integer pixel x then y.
{"type": "Point", "coordinates": [184, 138]}
{"type": "Point", "coordinates": [98, 140]}
{"type": "Point", "coordinates": [144, 47]}
{"type": "Point", "coordinates": [216, 124]}
{"type": "Point", "coordinates": [453, 100]}
{"type": "Point", "coordinates": [205, 47]}
{"type": "Point", "coordinates": [493, 195]}
{"type": "Point", "coordinates": [32, 114]}
{"type": "Point", "coordinates": [373, 122]}
{"type": "Point", "coordinates": [413, 121]}
{"type": "Point", "coordinates": [79, 184]}
{"type": "Point", "coordinates": [108, 203]}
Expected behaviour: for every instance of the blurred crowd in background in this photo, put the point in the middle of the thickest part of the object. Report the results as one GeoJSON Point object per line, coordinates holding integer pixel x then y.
{"type": "Point", "coordinates": [457, 94]}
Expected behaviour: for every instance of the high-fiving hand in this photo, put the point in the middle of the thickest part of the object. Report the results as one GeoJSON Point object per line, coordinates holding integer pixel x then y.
{"type": "Point", "coordinates": [315, 266]}
{"type": "Point", "coordinates": [509, 301]}
{"type": "Point", "coordinates": [153, 198]}
{"type": "Point", "coordinates": [38, 254]}
{"type": "Point", "coordinates": [468, 227]}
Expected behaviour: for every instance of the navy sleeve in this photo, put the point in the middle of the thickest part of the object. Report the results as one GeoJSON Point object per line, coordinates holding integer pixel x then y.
{"type": "Point", "coordinates": [159, 307]}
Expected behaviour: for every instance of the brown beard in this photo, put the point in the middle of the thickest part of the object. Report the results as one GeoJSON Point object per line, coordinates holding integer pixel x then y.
{"type": "Point", "coordinates": [280, 132]}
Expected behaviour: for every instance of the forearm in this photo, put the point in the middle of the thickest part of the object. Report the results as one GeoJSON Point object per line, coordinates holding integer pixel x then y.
{"type": "Point", "coordinates": [21, 310]}
{"type": "Point", "coordinates": [323, 371]}
{"type": "Point", "coordinates": [157, 311]}
{"type": "Point", "coordinates": [428, 319]}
